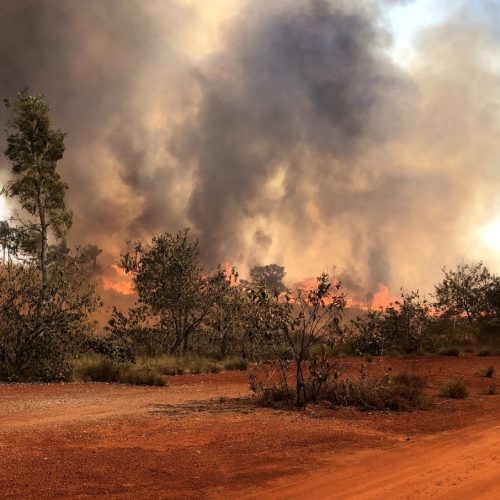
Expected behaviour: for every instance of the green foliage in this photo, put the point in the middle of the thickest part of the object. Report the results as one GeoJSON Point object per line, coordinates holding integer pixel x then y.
{"type": "Point", "coordinates": [228, 327]}
{"type": "Point", "coordinates": [404, 327]}
{"type": "Point", "coordinates": [178, 365]}
{"type": "Point", "coordinates": [131, 333]}
{"type": "Point", "coordinates": [454, 389]}
{"type": "Point", "coordinates": [34, 148]}
{"type": "Point", "coordinates": [295, 326]}
{"type": "Point", "coordinates": [468, 291]}
{"type": "Point", "coordinates": [269, 277]}
{"type": "Point", "coordinates": [38, 338]}
{"type": "Point", "coordinates": [172, 288]}
{"type": "Point", "coordinates": [94, 368]}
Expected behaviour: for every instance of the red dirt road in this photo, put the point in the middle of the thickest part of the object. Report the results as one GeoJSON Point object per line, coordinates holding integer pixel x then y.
{"type": "Point", "coordinates": [461, 464]}
{"type": "Point", "coordinates": [202, 437]}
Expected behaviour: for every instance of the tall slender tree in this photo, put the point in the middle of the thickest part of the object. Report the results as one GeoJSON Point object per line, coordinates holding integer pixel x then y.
{"type": "Point", "coordinates": [34, 147]}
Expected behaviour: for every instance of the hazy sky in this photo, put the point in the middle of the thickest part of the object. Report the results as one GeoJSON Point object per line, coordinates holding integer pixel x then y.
{"type": "Point", "coordinates": [356, 135]}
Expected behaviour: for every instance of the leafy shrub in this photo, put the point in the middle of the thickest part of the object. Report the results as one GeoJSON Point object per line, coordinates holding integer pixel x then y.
{"type": "Point", "coordinates": [404, 327]}
{"type": "Point", "coordinates": [43, 327]}
{"type": "Point", "coordinates": [454, 389]}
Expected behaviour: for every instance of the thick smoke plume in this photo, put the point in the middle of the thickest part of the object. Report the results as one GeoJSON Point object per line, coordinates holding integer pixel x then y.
{"type": "Point", "coordinates": [279, 131]}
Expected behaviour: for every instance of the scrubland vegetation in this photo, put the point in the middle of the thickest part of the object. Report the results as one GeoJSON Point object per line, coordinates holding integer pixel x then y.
{"type": "Point", "coordinates": [190, 320]}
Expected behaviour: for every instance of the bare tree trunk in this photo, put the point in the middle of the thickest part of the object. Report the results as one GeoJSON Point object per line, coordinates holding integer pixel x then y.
{"type": "Point", "coordinates": [177, 343]}
{"type": "Point", "coordinates": [43, 249]}
{"type": "Point", "coordinates": [300, 384]}
{"type": "Point", "coordinates": [185, 342]}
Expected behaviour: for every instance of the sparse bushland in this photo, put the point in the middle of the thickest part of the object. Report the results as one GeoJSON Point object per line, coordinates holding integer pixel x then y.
{"type": "Point", "coordinates": [454, 389]}
{"type": "Point", "coordinates": [208, 320]}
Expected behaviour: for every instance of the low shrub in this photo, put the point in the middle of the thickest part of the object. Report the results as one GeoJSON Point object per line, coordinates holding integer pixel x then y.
{"type": "Point", "coordinates": [276, 394]}
{"type": "Point", "coordinates": [484, 352]}
{"type": "Point", "coordinates": [410, 379]}
{"type": "Point", "coordinates": [96, 369]}
{"type": "Point", "coordinates": [489, 372]}
{"type": "Point", "coordinates": [342, 349]}
{"type": "Point", "coordinates": [454, 389]}
{"type": "Point", "coordinates": [134, 375]}
{"type": "Point", "coordinates": [400, 393]}
{"type": "Point", "coordinates": [449, 351]}
{"type": "Point", "coordinates": [173, 365]}
{"type": "Point", "coordinates": [99, 368]}
{"type": "Point", "coordinates": [491, 390]}
{"type": "Point", "coordinates": [166, 365]}
{"type": "Point", "coordinates": [237, 364]}
{"type": "Point", "coordinates": [197, 364]}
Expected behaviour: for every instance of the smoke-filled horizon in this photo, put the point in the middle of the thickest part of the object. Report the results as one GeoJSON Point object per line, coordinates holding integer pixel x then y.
{"type": "Point", "coordinates": [283, 131]}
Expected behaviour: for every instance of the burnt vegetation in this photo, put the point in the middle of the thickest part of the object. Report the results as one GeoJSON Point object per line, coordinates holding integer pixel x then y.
{"type": "Point", "coordinates": [188, 319]}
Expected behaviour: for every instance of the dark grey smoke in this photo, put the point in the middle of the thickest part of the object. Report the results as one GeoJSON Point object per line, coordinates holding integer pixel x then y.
{"type": "Point", "coordinates": [303, 86]}
{"type": "Point", "coordinates": [94, 61]}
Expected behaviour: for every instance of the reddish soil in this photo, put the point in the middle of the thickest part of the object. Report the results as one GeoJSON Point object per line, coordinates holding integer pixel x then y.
{"type": "Point", "coordinates": [204, 437]}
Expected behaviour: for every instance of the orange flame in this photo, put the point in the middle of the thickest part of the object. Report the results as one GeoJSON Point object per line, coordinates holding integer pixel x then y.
{"type": "Point", "coordinates": [120, 282]}
{"type": "Point", "coordinates": [381, 299]}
